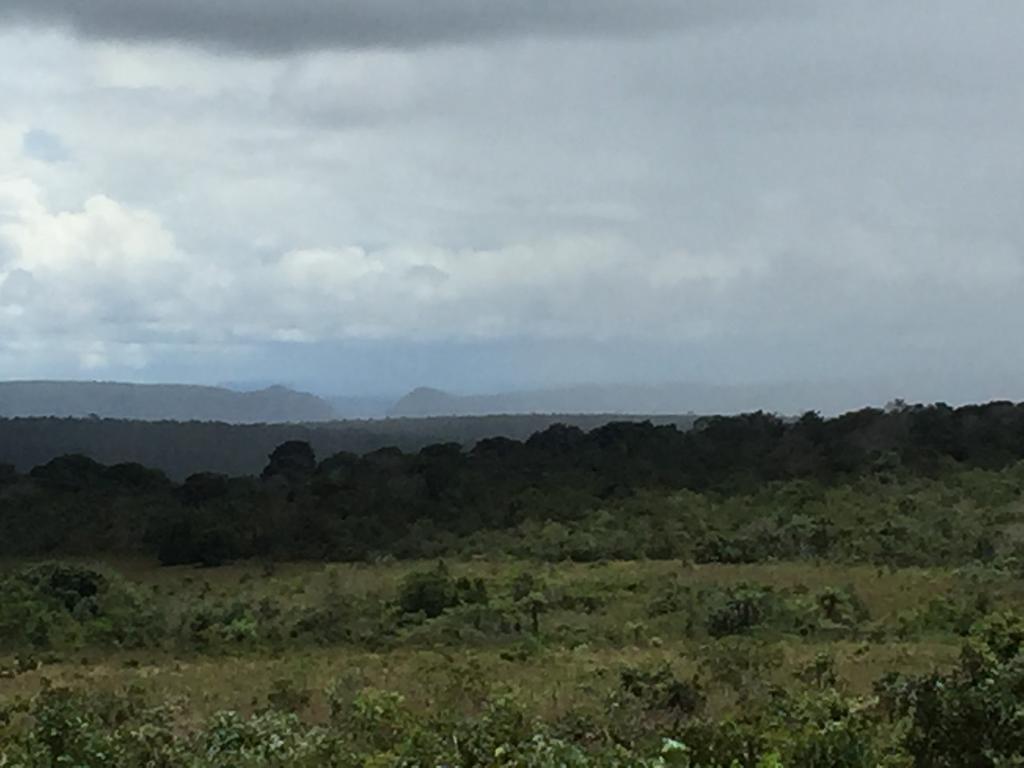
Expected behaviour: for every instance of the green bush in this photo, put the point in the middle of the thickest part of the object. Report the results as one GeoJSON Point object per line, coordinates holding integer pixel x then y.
{"type": "Point", "coordinates": [657, 688]}
{"type": "Point", "coordinates": [432, 592]}
{"type": "Point", "coordinates": [741, 609]}
{"type": "Point", "coordinates": [974, 714]}
{"type": "Point", "coordinates": [61, 605]}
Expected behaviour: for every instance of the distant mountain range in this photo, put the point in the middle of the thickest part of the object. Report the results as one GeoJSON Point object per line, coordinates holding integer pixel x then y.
{"type": "Point", "coordinates": [673, 398]}
{"type": "Point", "coordinates": [160, 402]}
{"type": "Point", "coordinates": [279, 404]}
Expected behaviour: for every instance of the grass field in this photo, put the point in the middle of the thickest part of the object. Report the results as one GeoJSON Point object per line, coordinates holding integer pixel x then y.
{"type": "Point", "coordinates": [609, 655]}
{"type": "Point", "coordinates": [599, 620]}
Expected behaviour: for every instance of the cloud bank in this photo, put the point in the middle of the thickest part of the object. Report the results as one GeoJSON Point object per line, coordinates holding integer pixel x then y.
{"type": "Point", "coordinates": [268, 27]}
{"type": "Point", "coordinates": [573, 191]}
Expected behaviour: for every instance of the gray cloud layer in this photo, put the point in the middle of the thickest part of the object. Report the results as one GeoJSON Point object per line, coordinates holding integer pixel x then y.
{"type": "Point", "coordinates": [273, 26]}
{"type": "Point", "coordinates": [824, 194]}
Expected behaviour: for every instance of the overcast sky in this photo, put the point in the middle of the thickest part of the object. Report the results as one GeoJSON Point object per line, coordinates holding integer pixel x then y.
{"type": "Point", "coordinates": [367, 195]}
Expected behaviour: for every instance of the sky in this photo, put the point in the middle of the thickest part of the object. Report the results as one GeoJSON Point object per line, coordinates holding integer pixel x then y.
{"type": "Point", "coordinates": [364, 196]}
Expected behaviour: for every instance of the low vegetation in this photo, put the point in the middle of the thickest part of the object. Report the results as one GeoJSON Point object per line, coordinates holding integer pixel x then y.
{"type": "Point", "coordinates": [510, 663]}
{"type": "Point", "coordinates": [754, 594]}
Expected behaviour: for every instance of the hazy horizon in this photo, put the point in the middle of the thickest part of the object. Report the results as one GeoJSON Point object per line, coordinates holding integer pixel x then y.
{"type": "Point", "coordinates": [362, 197]}
{"type": "Point", "coordinates": [83, 398]}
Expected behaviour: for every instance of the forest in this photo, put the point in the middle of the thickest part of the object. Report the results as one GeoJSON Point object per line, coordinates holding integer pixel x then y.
{"type": "Point", "coordinates": [865, 486]}
{"type": "Point", "coordinates": [183, 448]}
{"type": "Point", "coordinates": [753, 591]}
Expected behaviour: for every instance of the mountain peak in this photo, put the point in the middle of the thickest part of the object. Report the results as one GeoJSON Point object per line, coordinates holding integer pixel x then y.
{"type": "Point", "coordinates": [426, 401]}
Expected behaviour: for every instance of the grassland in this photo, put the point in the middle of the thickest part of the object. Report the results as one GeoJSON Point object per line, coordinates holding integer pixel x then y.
{"type": "Point", "coordinates": [572, 643]}
{"type": "Point", "coordinates": [249, 638]}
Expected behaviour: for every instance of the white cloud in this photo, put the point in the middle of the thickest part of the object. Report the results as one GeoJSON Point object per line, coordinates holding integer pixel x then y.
{"type": "Point", "coordinates": [104, 271]}
{"type": "Point", "coordinates": [108, 273]}
{"type": "Point", "coordinates": [110, 281]}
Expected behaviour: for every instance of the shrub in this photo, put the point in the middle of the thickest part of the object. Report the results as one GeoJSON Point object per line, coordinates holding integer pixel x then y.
{"type": "Point", "coordinates": [432, 592]}
{"type": "Point", "coordinates": [740, 610]}
{"type": "Point", "coordinates": [657, 688]}
{"type": "Point", "coordinates": [841, 606]}
{"type": "Point", "coordinates": [830, 732]}
{"type": "Point", "coordinates": [56, 604]}
{"type": "Point", "coordinates": [971, 716]}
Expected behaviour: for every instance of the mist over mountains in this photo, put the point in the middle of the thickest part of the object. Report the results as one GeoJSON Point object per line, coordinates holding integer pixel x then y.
{"type": "Point", "coordinates": [160, 402]}
{"type": "Point", "coordinates": [672, 398]}
{"type": "Point", "coordinates": [234, 404]}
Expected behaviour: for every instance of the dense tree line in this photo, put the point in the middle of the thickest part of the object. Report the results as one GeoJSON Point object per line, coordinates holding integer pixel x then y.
{"type": "Point", "coordinates": [181, 448]}
{"type": "Point", "coordinates": [410, 504]}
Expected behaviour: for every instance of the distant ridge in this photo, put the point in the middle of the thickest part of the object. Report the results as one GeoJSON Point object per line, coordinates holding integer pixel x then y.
{"type": "Point", "coordinates": [789, 398]}
{"type": "Point", "coordinates": [160, 402]}
{"type": "Point", "coordinates": [583, 399]}
{"type": "Point", "coordinates": [427, 401]}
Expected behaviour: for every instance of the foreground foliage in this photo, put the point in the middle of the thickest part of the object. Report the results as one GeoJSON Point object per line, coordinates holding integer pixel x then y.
{"type": "Point", "coordinates": [969, 716]}
{"type": "Point", "coordinates": [666, 665]}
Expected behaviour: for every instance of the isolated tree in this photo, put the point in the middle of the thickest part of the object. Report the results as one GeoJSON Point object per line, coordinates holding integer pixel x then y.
{"type": "Point", "coordinates": [294, 460]}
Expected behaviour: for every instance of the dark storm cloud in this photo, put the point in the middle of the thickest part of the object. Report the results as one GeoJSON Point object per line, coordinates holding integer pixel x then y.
{"type": "Point", "coordinates": [271, 26]}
